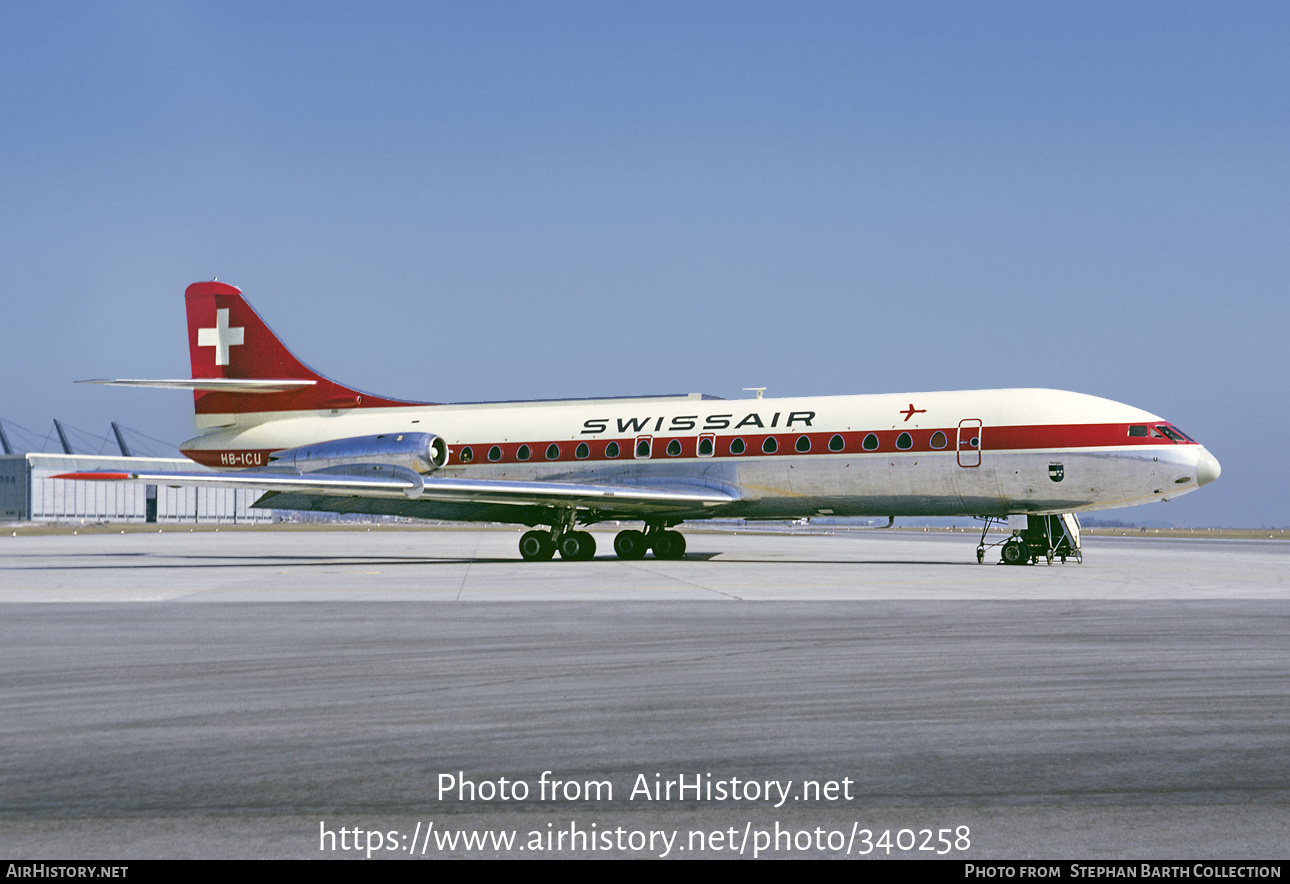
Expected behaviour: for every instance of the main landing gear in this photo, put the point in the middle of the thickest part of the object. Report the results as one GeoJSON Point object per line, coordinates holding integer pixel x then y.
{"type": "Point", "coordinates": [576, 546]}
{"type": "Point", "coordinates": [541, 545]}
{"type": "Point", "coordinates": [666, 544]}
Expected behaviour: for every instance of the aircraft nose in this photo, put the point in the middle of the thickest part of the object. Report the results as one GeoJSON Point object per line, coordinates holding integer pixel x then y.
{"type": "Point", "coordinates": [1207, 468]}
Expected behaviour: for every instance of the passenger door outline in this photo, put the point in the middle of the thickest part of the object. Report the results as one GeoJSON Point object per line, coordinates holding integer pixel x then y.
{"type": "Point", "coordinates": [969, 442]}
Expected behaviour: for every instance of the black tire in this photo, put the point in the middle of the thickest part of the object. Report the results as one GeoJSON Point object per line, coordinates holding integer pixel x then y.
{"type": "Point", "coordinates": [577, 546]}
{"type": "Point", "coordinates": [980, 555]}
{"type": "Point", "coordinates": [631, 545]}
{"type": "Point", "coordinates": [536, 546]}
{"type": "Point", "coordinates": [1015, 552]}
{"type": "Point", "coordinates": [669, 545]}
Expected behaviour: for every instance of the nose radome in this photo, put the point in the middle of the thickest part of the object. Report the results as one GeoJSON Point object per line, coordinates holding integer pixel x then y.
{"type": "Point", "coordinates": [1207, 468]}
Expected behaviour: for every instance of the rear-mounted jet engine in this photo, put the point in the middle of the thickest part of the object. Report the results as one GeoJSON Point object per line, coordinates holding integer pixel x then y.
{"type": "Point", "coordinates": [420, 452]}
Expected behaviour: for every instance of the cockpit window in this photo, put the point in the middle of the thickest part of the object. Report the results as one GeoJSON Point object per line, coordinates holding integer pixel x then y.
{"type": "Point", "coordinates": [1181, 433]}
{"type": "Point", "coordinates": [1137, 430]}
{"type": "Point", "coordinates": [1174, 435]}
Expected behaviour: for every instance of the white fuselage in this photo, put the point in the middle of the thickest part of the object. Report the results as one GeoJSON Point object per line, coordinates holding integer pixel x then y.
{"type": "Point", "coordinates": [987, 452]}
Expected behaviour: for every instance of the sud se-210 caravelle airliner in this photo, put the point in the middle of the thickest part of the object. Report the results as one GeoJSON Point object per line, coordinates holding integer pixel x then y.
{"type": "Point", "coordinates": [271, 423]}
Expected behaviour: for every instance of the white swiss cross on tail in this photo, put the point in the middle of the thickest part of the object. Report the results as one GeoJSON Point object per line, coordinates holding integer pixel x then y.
{"type": "Point", "coordinates": [221, 337]}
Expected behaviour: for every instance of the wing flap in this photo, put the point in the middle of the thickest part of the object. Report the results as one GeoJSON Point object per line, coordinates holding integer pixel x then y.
{"type": "Point", "coordinates": [596, 496]}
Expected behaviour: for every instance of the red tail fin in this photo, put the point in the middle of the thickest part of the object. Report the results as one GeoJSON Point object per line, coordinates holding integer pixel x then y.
{"type": "Point", "coordinates": [228, 339]}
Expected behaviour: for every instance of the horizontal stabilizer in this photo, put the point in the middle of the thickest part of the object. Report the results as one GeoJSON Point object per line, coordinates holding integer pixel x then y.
{"type": "Point", "coordinates": [228, 385]}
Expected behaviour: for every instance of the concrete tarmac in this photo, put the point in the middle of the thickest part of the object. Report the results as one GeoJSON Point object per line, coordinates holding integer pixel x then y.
{"type": "Point", "coordinates": [263, 694]}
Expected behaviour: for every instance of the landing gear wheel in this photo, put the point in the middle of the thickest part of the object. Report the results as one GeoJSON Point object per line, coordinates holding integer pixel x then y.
{"type": "Point", "coordinates": [980, 555]}
{"type": "Point", "coordinates": [1050, 557]}
{"type": "Point", "coordinates": [536, 546]}
{"type": "Point", "coordinates": [1015, 552]}
{"type": "Point", "coordinates": [631, 545]}
{"type": "Point", "coordinates": [577, 546]}
{"type": "Point", "coordinates": [669, 545]}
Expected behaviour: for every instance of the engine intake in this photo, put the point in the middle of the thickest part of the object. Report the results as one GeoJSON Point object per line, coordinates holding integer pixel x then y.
{"type": "Point", "coordinates": [421, 452]}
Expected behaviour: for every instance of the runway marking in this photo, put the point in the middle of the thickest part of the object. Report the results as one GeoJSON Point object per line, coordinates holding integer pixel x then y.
{"type": "Point", "coordinates": [64, 594]}
{"type": "Point", "coordinates": [317, 573]}
{"type": "Point", "coordinates": [637, 566]}
{"type": "Point", "coordinates": [466, 573]}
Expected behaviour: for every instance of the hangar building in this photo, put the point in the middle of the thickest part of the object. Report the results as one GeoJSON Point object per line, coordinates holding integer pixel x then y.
{"type": "Point", "coordinates": [28, 493]}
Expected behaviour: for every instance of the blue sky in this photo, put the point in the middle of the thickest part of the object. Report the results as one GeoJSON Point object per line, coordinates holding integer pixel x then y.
{"type": "Point", "coordinates": [524, 200]}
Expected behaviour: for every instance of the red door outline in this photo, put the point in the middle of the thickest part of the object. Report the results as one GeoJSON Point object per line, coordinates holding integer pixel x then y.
{"type": "Point", "coordinates": [969, 442]}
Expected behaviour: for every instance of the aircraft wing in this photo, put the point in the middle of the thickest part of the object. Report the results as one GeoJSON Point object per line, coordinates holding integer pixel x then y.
{"type": "Point", "coordinates": [394, 482]}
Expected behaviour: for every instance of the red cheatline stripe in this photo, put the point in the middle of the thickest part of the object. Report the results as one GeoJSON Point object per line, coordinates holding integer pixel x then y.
{"type": "Point", "coordinates": [1001, 438]}
{"type": "Point", "coordinates": [100, 476]}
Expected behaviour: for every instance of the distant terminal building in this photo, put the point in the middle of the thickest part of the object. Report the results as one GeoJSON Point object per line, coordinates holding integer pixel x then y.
{"type": "Point", "coordinates": [29, 494]}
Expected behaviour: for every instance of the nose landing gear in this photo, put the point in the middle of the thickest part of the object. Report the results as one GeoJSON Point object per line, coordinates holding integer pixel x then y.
{"type": "Point", "coordinates": [1035, 537]}
{"type": "Point", "coordinates": [1016, 552]}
